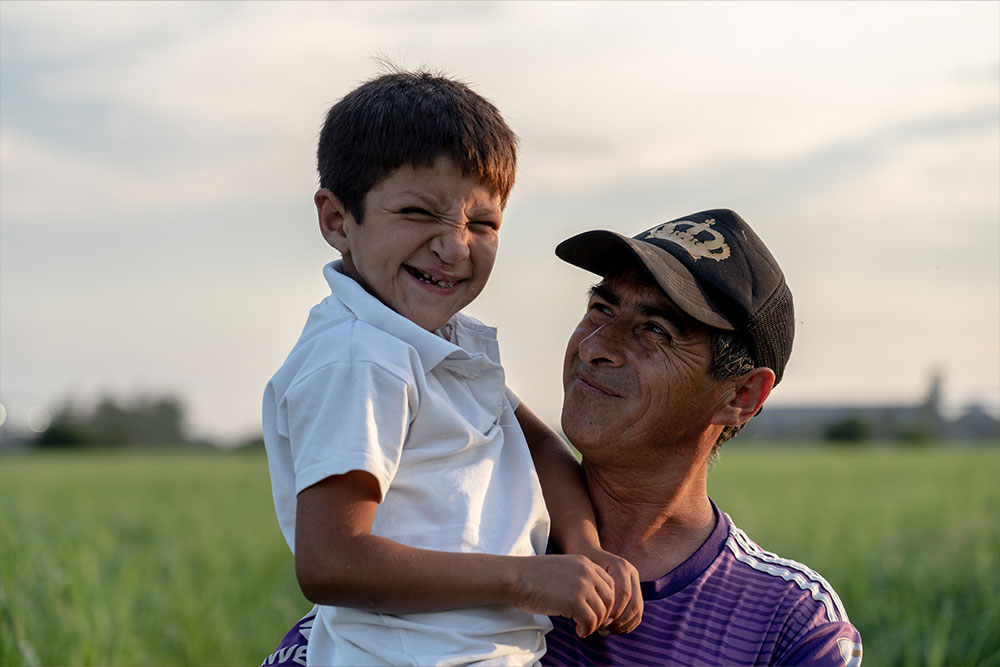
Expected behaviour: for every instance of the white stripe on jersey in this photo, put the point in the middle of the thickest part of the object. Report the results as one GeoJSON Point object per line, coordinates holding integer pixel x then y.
{"type": "Point", "coordinates": [850, 652]}
{"type": "Point", "coordinates": [747, 552]}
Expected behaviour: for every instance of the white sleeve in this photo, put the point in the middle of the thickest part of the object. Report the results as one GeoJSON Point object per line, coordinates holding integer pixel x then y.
{"type": "Point", "coordinates": [347, 416]}
{"type": "Point", "coordinates": [514, 399]}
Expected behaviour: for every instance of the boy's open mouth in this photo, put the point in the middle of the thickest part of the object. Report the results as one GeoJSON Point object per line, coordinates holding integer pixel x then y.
{"type": "Point", "coordinates": [425, 277]}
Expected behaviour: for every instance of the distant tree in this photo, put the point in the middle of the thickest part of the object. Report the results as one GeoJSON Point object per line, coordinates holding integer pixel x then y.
{"type": "Point", "coordinates": [110, 422]}
{"type": "Point", "coordinates": [144, 420]}
{"type": "Point", "coordinates": [254, 442]}
{"type": "Point", "coordinates": [916, 434]}
{"type": "Point", "coordinates": [67, 429]}
{"type": "Point", "coordinates": [850, 430]}
{"type": "Point", "coordinates": [156, 421]}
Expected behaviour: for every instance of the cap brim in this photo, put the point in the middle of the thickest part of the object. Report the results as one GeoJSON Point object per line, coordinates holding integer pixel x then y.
{"type": "Point", "coordinates": [601, 251]}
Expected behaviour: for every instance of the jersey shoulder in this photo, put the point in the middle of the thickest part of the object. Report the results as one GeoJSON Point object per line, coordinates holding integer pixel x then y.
{"type": "Point", "coordinates": [767, 568]}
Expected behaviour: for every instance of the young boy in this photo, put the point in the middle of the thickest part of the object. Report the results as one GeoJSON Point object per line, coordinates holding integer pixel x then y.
{"type": "Point", "coordinates": [399, 462]}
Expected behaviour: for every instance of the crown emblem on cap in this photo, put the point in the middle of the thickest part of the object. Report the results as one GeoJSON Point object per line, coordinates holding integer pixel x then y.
{"type": "Point", "coordinates": [698, 238]}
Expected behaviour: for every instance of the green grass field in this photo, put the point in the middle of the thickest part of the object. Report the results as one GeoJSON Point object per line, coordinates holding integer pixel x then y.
{"type": "Point", "coordinates": [175, 558]}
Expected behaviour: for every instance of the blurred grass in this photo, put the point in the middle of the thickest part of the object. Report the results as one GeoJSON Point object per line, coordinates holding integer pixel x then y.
{"type": "Point", "coordinates": [909, 538]}
{"type": "Point", "coordinates": [145, 558]}
{"type": "Point", "coordinates": [163, 558]}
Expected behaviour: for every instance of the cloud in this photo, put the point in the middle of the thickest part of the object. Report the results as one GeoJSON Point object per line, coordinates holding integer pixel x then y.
{"type": "Point", "coordinates": [980, 74]}
{"type": "Point", "coordinates": [156, 171]}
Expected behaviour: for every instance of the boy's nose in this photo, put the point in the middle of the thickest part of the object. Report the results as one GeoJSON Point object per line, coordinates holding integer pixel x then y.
{"type": "Point", "coordinates": [451, 245]}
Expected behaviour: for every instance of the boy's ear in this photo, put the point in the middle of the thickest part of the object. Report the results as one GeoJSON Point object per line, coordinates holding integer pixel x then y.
{"type": "Point", "coordinates": [750, 390]}
{"type": "Point", "coordinates": [332, 218]}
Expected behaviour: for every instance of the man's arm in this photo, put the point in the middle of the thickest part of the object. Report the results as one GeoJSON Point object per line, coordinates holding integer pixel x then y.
{"type": "Point", "coordinates": [574, 527]}
{"type": "Point", "coordinates": [339, 562]}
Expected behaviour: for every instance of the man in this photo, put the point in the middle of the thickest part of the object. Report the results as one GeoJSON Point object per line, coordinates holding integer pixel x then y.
{"type": "Point", "coordinates": [681, 344]}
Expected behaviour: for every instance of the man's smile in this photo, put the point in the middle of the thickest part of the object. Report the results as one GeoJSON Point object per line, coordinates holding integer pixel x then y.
{"type": "Point", "coordinates": [594, 385]}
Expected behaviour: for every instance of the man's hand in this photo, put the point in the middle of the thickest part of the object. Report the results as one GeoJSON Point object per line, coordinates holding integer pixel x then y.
{"type": "Point", "coordinates": [572, 586]}
{"type": "Point", "coordinates": [626, 610]}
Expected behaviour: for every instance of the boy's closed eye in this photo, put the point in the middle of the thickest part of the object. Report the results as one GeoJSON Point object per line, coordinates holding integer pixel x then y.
{"type": "Point", "coordinates": [424, 214]}
{"type": "Point", "coordinates": [416, 211]}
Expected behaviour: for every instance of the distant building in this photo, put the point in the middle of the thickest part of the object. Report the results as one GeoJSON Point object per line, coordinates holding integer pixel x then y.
{"type": "Point", "coordinates": [923, 421]}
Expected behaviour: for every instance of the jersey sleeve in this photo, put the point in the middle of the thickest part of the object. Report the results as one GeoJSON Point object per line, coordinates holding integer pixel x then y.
{"type": "Point", "coordinates": [347, 416]}
{"type": "Point", "coordinates": [827, 645]}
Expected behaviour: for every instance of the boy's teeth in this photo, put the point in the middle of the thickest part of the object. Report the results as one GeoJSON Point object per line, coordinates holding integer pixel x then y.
{"type": "Point", "coordinates": [428, 278]}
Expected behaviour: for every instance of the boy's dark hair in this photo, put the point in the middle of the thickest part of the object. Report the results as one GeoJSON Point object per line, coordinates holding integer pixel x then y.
{"type": "Point", "coordinates": [412, 118]}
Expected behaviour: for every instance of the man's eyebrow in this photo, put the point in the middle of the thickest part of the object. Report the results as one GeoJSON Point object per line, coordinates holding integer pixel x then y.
{"type": "Point", "coordinates": [601, 292]}
{"type": "Point", "coordinates": [668, 314]}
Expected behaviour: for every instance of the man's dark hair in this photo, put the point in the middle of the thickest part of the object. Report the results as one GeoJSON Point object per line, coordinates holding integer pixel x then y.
{"type": "Point", "coordinates": [730, 357]}
{"type": "Point", "coordinates": [412, 118]}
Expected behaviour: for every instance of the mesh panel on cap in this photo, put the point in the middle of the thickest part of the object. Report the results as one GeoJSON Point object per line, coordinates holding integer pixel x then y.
{"type": "Point", "coordinates": [771, 332]}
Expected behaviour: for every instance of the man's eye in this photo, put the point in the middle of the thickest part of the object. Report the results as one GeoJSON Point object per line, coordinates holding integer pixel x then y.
{"type": "Point", "coordinates": [599, 309]}
{"type": "Point", "coordinates": [656, 329]}
{"type": "Point", "coordinates": [484, 224]}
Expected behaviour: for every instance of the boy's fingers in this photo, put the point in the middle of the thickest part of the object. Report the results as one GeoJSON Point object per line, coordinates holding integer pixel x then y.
{"type": "Point", "coordinates": [596, 610]}
{"type": "Point", "coordinates": [628, 607]}
{"type": "Point", "coordinates": [629, 620]}
{"type": "Point", "coordinates": [586, 621]}
{"type": "Point", "coordinates": [605, 576]}
{"type": "Point", "coordinates": [624, 594]}
{"type": "Point", "coordinates": [605, 597]}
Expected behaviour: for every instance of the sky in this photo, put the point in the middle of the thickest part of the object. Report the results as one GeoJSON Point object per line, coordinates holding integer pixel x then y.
{"type": "Point", "coordinates": [157, 230]}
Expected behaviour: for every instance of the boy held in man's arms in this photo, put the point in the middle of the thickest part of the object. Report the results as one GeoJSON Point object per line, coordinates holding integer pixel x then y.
{"type": "Point", "coordinates": [401, 465]}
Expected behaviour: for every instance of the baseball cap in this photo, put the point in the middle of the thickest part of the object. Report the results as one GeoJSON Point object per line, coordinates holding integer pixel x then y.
{"type": "Point", "coordinates": [713, 267]}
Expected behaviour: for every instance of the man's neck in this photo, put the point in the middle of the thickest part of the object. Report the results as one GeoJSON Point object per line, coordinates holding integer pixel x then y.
{"type": "Point", "coordinates": [655, 521]}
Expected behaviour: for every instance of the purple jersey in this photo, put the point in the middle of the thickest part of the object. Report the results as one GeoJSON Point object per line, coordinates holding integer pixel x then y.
{"type": "Point", "coordinates": [730, 603]}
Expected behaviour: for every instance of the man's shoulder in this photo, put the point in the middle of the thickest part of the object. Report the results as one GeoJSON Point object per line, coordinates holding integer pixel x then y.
{"type": "Point", "coordinates": [741, 605]}
{"type": "Point", "coordinates": [797, 586]}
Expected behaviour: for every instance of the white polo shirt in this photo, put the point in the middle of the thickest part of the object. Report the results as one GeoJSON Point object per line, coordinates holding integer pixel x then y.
{"type": "Point", "coordinates": [428, 415]}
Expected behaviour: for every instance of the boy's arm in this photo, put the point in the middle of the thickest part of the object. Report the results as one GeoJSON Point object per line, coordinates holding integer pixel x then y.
{"type": "Point", "coordinates": [574, 527]}
{"type": "Point", "coordinates": [339, 562]}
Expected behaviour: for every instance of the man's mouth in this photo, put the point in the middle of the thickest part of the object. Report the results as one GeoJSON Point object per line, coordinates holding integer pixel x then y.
{"type": "Point", "coordinates": [591, 384]}
{"type": "Point", "coordinates": [425, 277]}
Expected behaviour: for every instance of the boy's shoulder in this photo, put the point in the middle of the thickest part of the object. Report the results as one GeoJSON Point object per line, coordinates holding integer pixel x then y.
{"type": "Point", "coordinates": [332, 335]}
{"type": "Point", "coordinates": [460, 323]}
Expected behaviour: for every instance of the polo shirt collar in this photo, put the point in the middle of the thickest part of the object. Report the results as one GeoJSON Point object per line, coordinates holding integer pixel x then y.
{"type": "Point", "coordinates": [432, 348]}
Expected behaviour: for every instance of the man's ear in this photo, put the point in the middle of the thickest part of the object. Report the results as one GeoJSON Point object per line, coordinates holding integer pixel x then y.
{"type": "Point", "coordinates": [333, 216]}
{"type": "Point", "coordinates": [750, 390]}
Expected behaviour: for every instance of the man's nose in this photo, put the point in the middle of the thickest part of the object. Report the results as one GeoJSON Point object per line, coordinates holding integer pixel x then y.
{"type": "Point", "coordinates": [604, 345]}
{"type": "Point", "coordinates": [451, 244]}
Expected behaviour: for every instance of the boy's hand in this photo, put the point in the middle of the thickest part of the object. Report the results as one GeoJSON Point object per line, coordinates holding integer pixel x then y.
{"type": "Point", "coordinates": [626, 610]}
{"type": "Point", "coordinates": [566, 585]}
